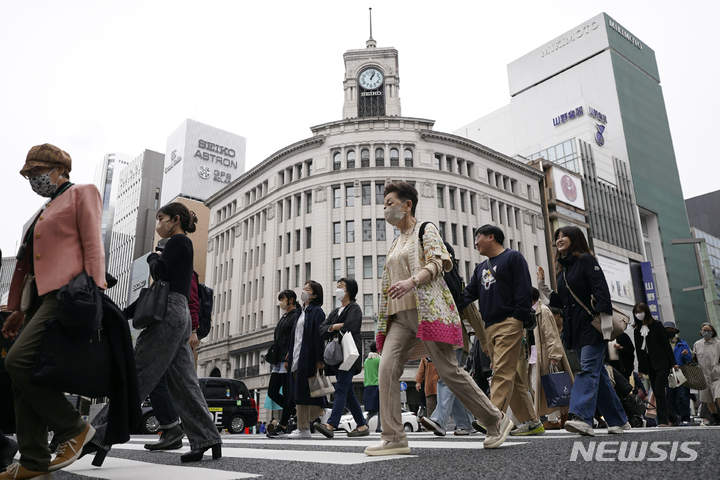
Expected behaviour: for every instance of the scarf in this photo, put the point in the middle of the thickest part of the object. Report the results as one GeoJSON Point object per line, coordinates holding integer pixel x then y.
{"type": "Point", "coordinates": [644, 330]}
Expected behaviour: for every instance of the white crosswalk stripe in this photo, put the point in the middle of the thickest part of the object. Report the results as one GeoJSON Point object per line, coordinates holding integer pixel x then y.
{"type": "Point", "coordinates": [122, 469]}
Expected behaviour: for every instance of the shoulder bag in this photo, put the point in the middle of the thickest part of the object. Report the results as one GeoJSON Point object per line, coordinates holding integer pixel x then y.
{"type": "Point", "coordinates": [273, 354]}
{"type": "Point", "coordinates": [333, 352]}
{"type": "Point", "coordinates": [151, 305]}
{"type": "Point", "coordinates": [530, 322]}
{"type": "Point", "coordinates": [614, 325]}
{"type": "Point", "coordinates": [694, 376]}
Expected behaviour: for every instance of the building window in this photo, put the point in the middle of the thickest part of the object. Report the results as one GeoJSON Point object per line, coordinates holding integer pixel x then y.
{"type": "Point", "coordinates": [379, 197]}
{"type": "Point", "coordinates": [437, 162]}
{"type": "Point", "coordinates": [394, 160]}
{"type": "Point", "coordinates": [263, 253]}
{"type": "Point", "coordinates": [448, 164]}
{"type": "Point", "coordinates": [366, 194]}
{"type": "Point", "coordinates": [365, 158]}
{"type": "Point", "coordinates": [289, 209]}
{"type": "Point", "coordinates": [368, 305]}
{"type": "Point", "coordinates": [337, 232]}
{"type": "Point", "coordinates": [279, 249]}
{"type": "Point", "coordinates": [308, 202]}
{"type": "Point", "coordinates": [350, 263]}
{"type": "Point", "coordinates": [336, 197]}
{"type": "Point", "coordinates": [462, 202]}
{"type": "Point", "coordinates": [379, 157]}
{"type": "Point", "coordinates": [297, 240]}
{"type": "Point", "coordinates": [367, 230]}
{"type": "Point", "coordinates": [287, 277]}
{"type": "Point", "coordinates": [492, 210]}
{"type": "Point", "coordinates": [470, 169]}
{"type": "Point", "coordinates": [280, 212]}
{"type": "Point", "coordinates": [453, 233]}
{"type": "Point", "coordinates": [465, 236]}
{"type": "Point", "coordinates": [501, 209]}
{"type": "Point", "coordinates": [279, 280]}
{"type": "Point", "coordinates": [537, 255]}
{"type": "Point", "coordinates": [287, 235]}
{"type": "Point", "coordinates": [467, 272]}
{"type": "Point", "coordinates": [441, 197]}
{"type": "Point", "coordinates": [380, 229]}
{"type": "Point", "coordinates": [442, 230]}
{"type": "Point", "coordinates": [451, 197]}
{"type": "Point", "coordinates": [349, 196]}
{"type": "Point", "coordinates": [337, 161]}
{"type": "Point", "coordinates": [337, 273]}
{"type": "Point", "coordinates": [350, 231]}
{"type": "Point", "coordinates": [308, 271]}
{"type": "Point", "coordinates": [297, 276]}
{"type": "Point", "coordinates": [408, 158]}
{"type": "Point", "coordinates": [298, 205]}
{"type": "Point", "coordinates": [308, 237]}
{"type": "Point", "coordinates": [351, 159]}
{"type": "Point", "coordinates": [380, 265]}
{"type": "Point", "coordinates": [367, 267]}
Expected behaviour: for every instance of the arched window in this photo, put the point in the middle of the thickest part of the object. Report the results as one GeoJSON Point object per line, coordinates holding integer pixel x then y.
{"type": "Point", "coordinates": [408, 158]}
{"type": "Point", "coordinates": [337, 163]}
{"type": "Point", "coordinates": [394, 160]}
{"type": "Point", "coordinates": [351, 159]}
{"type": "Point", "coordinates": [365, 158]}
{"type": "Point", "coordinates": [379, 157]}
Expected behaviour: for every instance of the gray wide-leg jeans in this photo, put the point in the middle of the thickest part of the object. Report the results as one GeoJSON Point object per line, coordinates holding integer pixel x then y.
{"type": "Point", "coordinates": [163, 349]}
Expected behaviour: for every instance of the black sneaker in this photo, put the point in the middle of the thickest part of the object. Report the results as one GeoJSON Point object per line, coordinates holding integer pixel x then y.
{"type": "Point", "coordinates": [478, 427]}
{"type": "Point", "coordinates": [278, 432]}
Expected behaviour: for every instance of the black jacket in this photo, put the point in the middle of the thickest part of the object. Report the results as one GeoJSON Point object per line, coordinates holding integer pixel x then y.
{"type": "Point", "coordinates": [585, 278]}
{"type": "Point", "coordinates": [660, 354]}
{"type": "Point", "coordinates": [626, 354]}
{"type": "Point", "coordinates": [124, 413]}
{"type": "Point", "coordinates": [311, 352]}
{"type": "Point", "coordinates": [351, 317]}
{"type": "Point", "coordinates": [283, 330]}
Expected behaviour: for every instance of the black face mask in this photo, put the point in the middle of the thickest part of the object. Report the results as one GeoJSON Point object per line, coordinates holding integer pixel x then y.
{"type": "Point", "coordinates": [671, 334]}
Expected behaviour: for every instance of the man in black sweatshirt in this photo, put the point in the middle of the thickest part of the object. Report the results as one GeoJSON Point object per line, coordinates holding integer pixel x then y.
{"type": "Point", "coordinates": [504, 296]}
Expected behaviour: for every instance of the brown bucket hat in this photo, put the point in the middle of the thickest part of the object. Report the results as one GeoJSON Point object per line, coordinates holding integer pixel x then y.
{"type": "Point", "coordinates": [46, 156]}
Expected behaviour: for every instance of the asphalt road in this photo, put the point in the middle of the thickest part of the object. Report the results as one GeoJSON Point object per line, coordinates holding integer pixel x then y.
{"type": "Point", "coordinates": [667, 454]}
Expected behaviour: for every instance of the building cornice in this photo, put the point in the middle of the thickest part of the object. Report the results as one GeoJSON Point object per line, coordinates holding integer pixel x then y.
{"type": "Point", "coordinates": [373, 120]}
{"type": "Point", "coordinates": [302, 144]}
{"type": "Point", "coordinates": [469, 144]}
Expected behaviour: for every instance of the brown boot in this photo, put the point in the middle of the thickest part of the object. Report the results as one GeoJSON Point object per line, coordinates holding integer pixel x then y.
{"type": "Point", "coordinates": [70, 451]}
{"type": "Point", "coordinates": [18, 472]}
{"type": "Point", "coordinates": [552, 425]}
{"type": "Point", "coordinates": [563, 419]}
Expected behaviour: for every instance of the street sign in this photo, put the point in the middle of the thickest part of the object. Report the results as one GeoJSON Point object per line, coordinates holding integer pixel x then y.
{"type": "Point", "coordinates": [403, 386]}
{"type": "Point", "coordinates": [403, 396]}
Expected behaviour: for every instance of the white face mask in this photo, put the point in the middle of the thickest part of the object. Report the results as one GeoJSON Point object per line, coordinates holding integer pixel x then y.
{"type": "Point", "coordinates": [640, 316]}
{"type": "Point", "coordinates": [305, 297]}
{"type": "Point", "coordinates": [340, 294]}
{"type": "Point", "coordinates": [393, 215]}
{"type": "Point", "coordinates": [283, 305]}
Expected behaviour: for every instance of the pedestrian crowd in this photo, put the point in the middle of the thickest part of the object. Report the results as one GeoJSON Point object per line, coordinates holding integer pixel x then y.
{"type": "Point", "coordinates": [536, 359]}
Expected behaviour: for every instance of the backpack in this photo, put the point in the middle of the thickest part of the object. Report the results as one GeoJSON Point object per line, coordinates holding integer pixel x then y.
{"type": "Point", "coordinates": [452, 278]}
{"type": "Point", "coordinates": [205, 298]}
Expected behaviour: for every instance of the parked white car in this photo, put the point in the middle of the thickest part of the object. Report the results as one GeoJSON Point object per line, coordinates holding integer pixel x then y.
{"type": "Point", "coordinates": [347, 422]}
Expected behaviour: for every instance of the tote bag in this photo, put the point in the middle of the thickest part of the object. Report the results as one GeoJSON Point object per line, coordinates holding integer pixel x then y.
{"type": "Point", "coordinates": [557, 388]}
{"type": "Point", "coordinates": [151, 305]}
{"type": "Point", "coordinates": [349, 352]}
{"type": "Point", "coordinates": [320, 385]}
{"type": "Point", "coordinates": [676, 378]}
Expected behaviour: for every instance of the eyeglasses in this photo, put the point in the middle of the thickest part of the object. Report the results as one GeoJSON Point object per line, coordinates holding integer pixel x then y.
{"type": "Point", "coordinates": [35, 171]}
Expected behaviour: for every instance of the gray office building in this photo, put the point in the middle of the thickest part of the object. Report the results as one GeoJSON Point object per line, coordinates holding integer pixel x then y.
{"type": "Point", "coordinates": [704, 212]}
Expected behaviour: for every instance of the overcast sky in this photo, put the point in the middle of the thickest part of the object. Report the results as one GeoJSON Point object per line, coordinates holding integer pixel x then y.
{"type": "Point", "coordinates": [98, 77]}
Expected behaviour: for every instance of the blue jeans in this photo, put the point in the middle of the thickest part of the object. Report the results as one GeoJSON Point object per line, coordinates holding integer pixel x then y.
{"type": "Point", "coordinates": [679, 400]}
{"type": "Point", "coordinates": [448, 403]}
{"type": "Point", "coordinates": [592, 388]}
{"type": "Point", "coordinates": [345, 394]}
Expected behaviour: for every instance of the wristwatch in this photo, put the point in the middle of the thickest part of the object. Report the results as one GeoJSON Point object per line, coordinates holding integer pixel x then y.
{"type": "Point", "coordinates": [415, 280]}
{"type": "Point", "coordinates": [193, 331]}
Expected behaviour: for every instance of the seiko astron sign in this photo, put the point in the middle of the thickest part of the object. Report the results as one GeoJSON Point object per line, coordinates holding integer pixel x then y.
{"type": "Point", "coordinates": [200, 160]}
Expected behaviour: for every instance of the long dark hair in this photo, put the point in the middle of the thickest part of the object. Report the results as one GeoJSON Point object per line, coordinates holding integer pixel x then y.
{"type": "Point", "coordinates": [648, 316]}
{"type": "Point", "coordinates": [578, 243]}
{"type": "Point", "coordinates": [317, 291]}
{"type": "Point", "coordinates": [188, 219]}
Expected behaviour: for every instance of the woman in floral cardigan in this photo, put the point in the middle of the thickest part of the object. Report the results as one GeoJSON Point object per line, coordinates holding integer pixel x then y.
{"type": "Point", "coordinates": [417, 318]}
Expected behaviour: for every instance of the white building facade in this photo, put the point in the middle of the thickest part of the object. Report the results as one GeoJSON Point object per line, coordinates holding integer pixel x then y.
{"type": "Point", "coordinates": [314, 210]}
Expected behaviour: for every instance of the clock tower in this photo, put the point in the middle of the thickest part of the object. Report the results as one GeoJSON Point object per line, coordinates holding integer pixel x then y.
{"type": "Point", "coordinates": [371, 82]}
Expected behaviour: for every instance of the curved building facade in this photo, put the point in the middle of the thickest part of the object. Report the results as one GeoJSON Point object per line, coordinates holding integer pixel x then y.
{"type": "Point", "coordinates": [314, 210]}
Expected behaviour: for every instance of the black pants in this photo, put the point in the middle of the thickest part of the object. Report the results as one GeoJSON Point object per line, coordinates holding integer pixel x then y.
{"type": "Point", "coordinates": [163, 407]}
{"type": "Point", "coordinates": [277, 380]}
{"type": "Point", "coordinates": [659, 382]}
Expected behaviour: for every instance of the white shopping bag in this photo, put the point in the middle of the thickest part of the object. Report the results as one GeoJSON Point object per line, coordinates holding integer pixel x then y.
{"type": "Point", "coordinates": [350, 352]}
{"type": "Point", "coordinates": [676, 378]}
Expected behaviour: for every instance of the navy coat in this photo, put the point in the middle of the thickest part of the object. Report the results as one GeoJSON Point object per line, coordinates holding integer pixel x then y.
{"type": "Point", "coordinates": [311, 352]}
{"type": "Point", "coordinates": [585, 278]}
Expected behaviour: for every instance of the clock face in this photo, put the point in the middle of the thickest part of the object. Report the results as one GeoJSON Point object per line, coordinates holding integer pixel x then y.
{"type": "Point", "coordinates": [370, 79]}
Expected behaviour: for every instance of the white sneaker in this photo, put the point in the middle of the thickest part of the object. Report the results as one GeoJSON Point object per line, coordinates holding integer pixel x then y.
{"type": "Point", "coordinates": [465, 431]}
{"type": "Point", "coordinates": [502, 430]}
{"type": "Point", "coordinates": [578, 426]}
{"type": "Point", "coordinates": [619, 428]}
{"type": "Point", "coordinates": [389, 448]}
{"type": "Point", "coordinates": [300, 434]}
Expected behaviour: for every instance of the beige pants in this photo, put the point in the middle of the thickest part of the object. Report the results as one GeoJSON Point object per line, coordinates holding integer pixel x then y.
{"type": "Point", "coordinates": [399, 343]}
{"type": "Point", "coordinates": [306, 414]}
{"type": "Point", "coordinates": [509, 388]}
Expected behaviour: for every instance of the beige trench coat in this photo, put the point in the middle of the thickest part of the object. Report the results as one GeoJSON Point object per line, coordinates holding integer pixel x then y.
{"type": "Point", "coordinates": [548, 346]}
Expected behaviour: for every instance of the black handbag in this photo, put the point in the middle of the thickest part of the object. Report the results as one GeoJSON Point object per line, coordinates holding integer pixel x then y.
{"type": "Point", "coordinates": [79, 307]}
{"type": "Point", "coordinates": [273, 354]}
{"type": "Point", "coordinates": [73, 364]}
{"type": "Point", "coordinates": [151, 305]}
